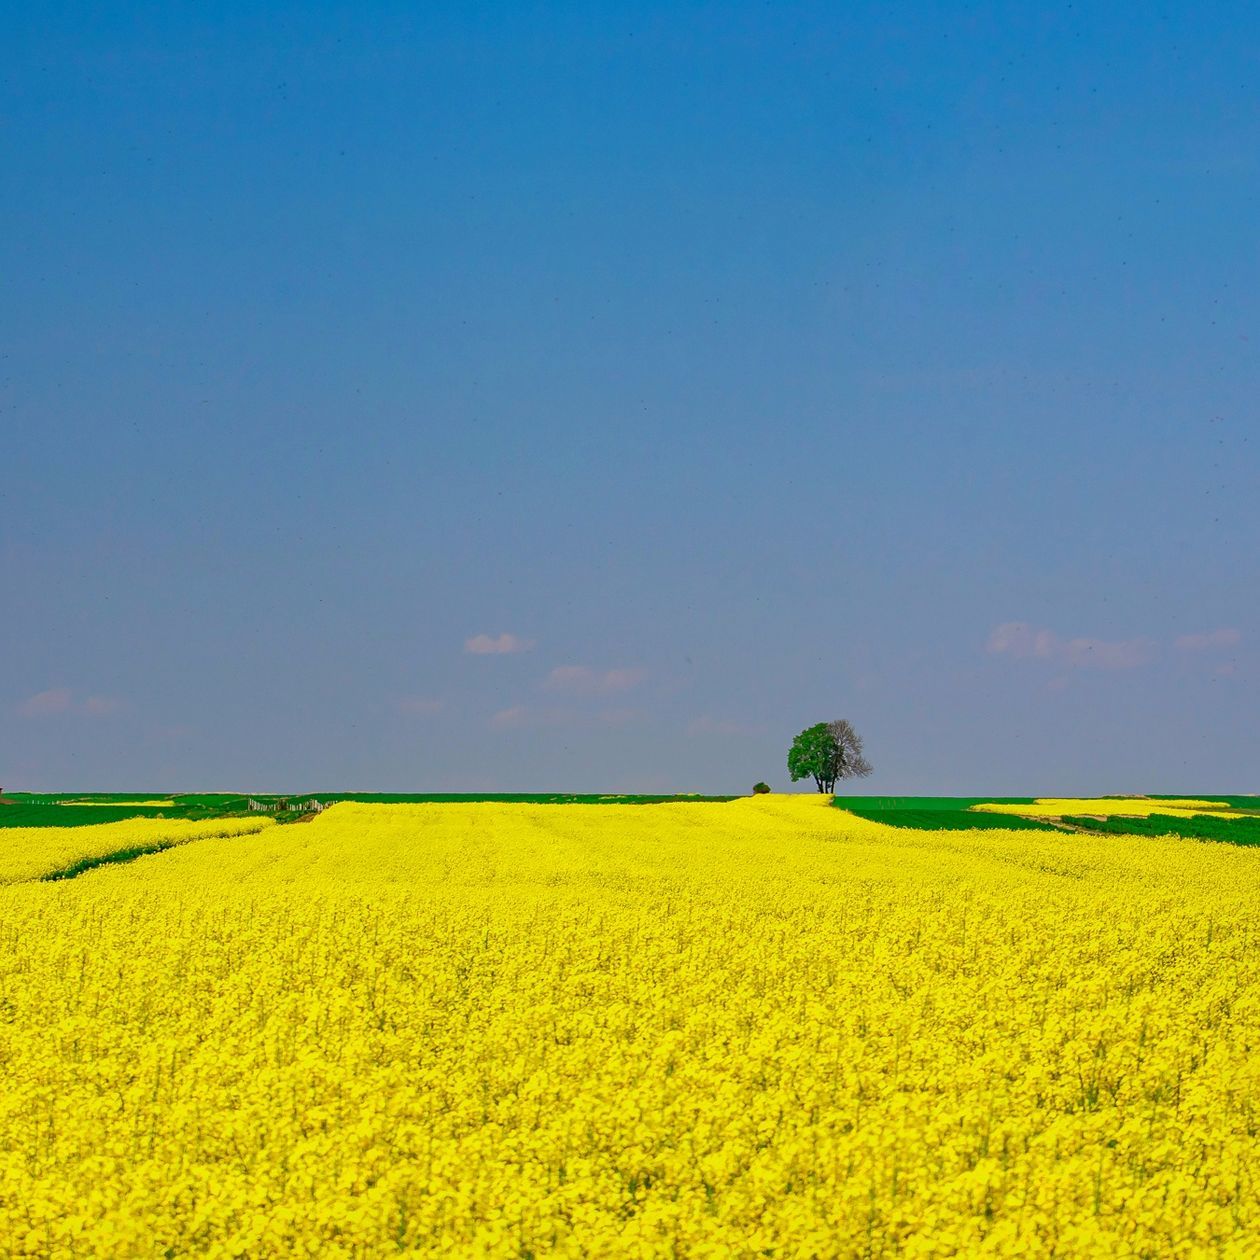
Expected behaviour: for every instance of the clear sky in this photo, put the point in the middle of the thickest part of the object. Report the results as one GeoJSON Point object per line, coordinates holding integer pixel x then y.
{"type": "Point", "coordinates": [590, 396]}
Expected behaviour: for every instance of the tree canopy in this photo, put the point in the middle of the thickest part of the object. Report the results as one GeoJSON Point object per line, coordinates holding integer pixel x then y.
{"type": "Point", "coordinates": [827, 752]}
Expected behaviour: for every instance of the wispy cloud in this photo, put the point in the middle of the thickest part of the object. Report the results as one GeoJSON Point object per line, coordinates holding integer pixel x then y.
{"type": "Point", "coordinates": [717, 726]}
{"type": "Point", "coordinates": [60, 700]}
{"type": "Point", "coordinates": [418, 706]}
{"type": "Point", "coordinates": [46, 703]}
{"type": "Point", "coordinates": [582, 680]}
{"type": "Point", "coordinates": [496, 645]}
{"type": "Point", "coordinates": [1207, 640]}
{"type": "Point", "coordinates": [1107, 653]}
{"type": "Point", "coordinates": [510, 719]}
{"type": "Point", "coordinates": [99, 706]}
{"type": "Point", "coordinates": [1019, 639]}
{"type": "Point", "coordinates": [525, 715]}
{"type": "Point", "coordinates": [618, 717]}
{"type": "Point", "coordinates": [1022, 641]}
{"type": "Point", "coordinates": [519, 715]}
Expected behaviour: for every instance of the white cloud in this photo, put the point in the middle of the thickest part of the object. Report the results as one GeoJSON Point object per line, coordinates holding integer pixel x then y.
{"type": "Point", "coordinates": [509, 719]}
{"type": "Point", "coordinates": [61, 699]}
{"type": "Point", "coordinates": [1022, 641]}
{"type": "Point", "coordinates": [1108, 654]}
{"type": "Point", "coordinates": [99, 706]}
{"type": "Point", "coordinates": [1019, 639]}
{"type": "Point", "coordinates": [57, 700]}
{"type": "Point", "coordinates": [46, 703]}
{"type": "Point", "coordinates": [1226, 636]}
{"type": "Point", "coordinates": [496, 645]}
{"type": "Point", "coordinates": [582, 680]}
{"type": "Point", "coordinates": [418, 706]}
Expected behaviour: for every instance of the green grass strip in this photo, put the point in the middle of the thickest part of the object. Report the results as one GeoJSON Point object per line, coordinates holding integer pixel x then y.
{"type": "Point", "coordinates": [946, 803]}
{"type": "Point", "coordinates": [23, 815]}
{"type": "Point", "coordinates": [1241, 830]}
{"type": "Point", "coordinates": [1234, 802]}
{"type": "Point", "coordinates": [948, 819]}
{"type": "Point", "coordinates": [75, 869]}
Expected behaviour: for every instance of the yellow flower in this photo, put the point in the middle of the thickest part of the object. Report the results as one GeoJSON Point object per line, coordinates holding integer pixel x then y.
{"type": "Point", "coordinates": [763, 1027]}
{"type": "Point", "coordinates": [1124, 806]}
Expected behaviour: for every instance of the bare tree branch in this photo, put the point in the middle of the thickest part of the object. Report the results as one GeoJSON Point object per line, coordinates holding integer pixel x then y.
{"type": "Point", "coordinates": [827, 752]}
{"type": "Point", "coordinates": [851, 764]}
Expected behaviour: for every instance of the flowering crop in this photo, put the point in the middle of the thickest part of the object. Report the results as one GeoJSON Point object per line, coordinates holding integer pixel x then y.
{"type": "Point", "coordinates": [36, 852]}
{"type": "Point", "coordinates": [764, 1027]}
{"type": "Point", "coordinates": [1132, 806]}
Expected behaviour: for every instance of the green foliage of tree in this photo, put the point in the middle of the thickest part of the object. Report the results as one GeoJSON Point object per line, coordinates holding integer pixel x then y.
{"type": "Point", "coordinates": [759, 789]}
{"type": "Point", "coordinates": [811, 754]}
{"type": "Point", "coordinates": [826, 752]}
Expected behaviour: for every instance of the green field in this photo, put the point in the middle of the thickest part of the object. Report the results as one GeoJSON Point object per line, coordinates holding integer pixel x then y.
{"type": "Point", "coordinates": [1245, 829]}
{"type": "Point", "coordinates": [78, 809]}
{"type": "Point", "coordinates": [47, 811]}
{"type": "Point", "coordinates": [952, 813]}
{"type": "Point", "coordinates": [1249, 804]}
{"type": "Point", "coordinates": [943, 819]}
{"type": "Point", "coordinates": [921, 803]}
{"type": "Point", "coordinates": [923, 813]}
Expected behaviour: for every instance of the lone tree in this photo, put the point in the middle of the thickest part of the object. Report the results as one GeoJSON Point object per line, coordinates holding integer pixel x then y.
{"type": "Point", "coordinates": [827, 752]}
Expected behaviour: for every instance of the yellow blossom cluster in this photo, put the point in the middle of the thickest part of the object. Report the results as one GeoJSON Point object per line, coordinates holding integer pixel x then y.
{"type": "Point", "coordinates": [766, 1027]}
{"type": "Point", "coordinates": [36, 852]}
{"type": "Point", "coordinates": [1106, 806]}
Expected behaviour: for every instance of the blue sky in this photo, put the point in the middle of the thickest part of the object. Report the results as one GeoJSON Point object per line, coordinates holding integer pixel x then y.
{"type": "Point", "coordinates": [713, 369]}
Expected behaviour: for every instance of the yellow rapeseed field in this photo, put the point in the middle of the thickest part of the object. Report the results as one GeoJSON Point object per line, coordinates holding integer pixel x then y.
{"type": "Point", "coordinates": [701, 1030]}
{"type": "Point", "coordinates": [34, 852]}
{"type": "Point", "coordinates": [1106, 806]}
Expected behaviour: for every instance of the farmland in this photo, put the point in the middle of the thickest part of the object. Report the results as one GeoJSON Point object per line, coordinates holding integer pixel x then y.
{"type": "Point", "coordinates": [28, 853]}
{"type": "Point", "coordinates": [80, 810]}
{"type": "Point", "coordinates": [763, 1026]}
